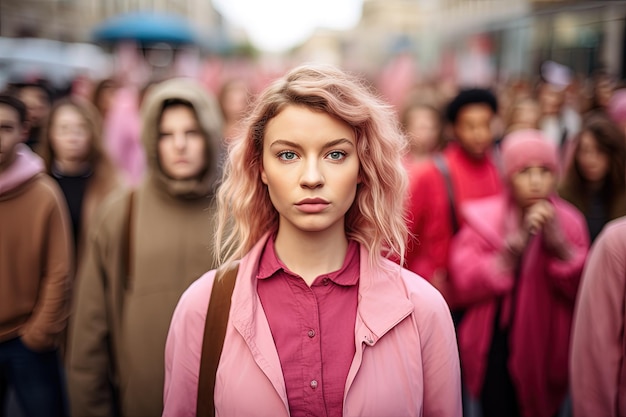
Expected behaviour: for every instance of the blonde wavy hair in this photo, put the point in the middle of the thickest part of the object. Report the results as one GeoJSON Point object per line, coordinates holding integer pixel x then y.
{"type": "Point", "coordinates": [376, 217]}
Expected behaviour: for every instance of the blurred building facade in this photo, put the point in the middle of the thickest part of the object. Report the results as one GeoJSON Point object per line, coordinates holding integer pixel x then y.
{"type": "Point", "coordinates": [478, 41]}
{"type": "Point", "coordinates": [73, 20]}
{"type": "Point", "coordinates": [473, 41]}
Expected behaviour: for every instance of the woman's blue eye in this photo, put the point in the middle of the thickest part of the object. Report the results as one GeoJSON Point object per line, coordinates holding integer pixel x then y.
{"type": "Point", "coordinates": [336, 155]}
{"type": "Point", "coordinates": [287, 155]}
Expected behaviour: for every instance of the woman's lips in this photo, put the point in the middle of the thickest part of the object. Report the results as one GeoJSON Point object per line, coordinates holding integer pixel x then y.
{"type": "Point", "coordinates": [312, 205]}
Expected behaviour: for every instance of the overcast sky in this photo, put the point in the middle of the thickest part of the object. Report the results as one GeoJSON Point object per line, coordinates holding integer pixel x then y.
{"type": "Point", "coordinates": [277, 25]}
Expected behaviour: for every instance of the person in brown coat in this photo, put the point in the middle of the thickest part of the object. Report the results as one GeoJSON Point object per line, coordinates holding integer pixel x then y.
{"type": "Point", "coordinates": [35, 272]}
{"type": "Point", "coordinates": [144, 249]}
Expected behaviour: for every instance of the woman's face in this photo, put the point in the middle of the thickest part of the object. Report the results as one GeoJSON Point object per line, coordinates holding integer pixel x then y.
{"type": "Point", "coordinates": [70, 136]}
{"type": "Point", "coordinates": [532, 184]}
{"type": "Point", "coordinates": [592, 161]}
{"type": "Point", "coordinates": [311, 169]}
{"type": "Point", "coordinates": [181, 146]}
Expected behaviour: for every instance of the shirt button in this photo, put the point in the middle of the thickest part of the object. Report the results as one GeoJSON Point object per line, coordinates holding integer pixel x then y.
{"type": "Point", "coordinates": [325, 281]}
{"type": "Point", "coordinates": [314, 384]}
{"type": "Point", "coordinates": [311, 333]}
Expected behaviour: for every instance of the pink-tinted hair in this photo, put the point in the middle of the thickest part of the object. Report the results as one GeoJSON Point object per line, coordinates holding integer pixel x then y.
{"type": "Point", "coordinates": [376, 218]}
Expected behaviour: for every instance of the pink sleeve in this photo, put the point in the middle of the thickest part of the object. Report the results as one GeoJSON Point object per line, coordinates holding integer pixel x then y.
{"type": "Point", "coordinates": [430, 229]}
{"type": "Point", "coordinates": [477, 270]}
{"type": "Point", "coordinates": [184, 347]}
{"type": "Point", "coordinates": [440, 361]}
{"type": "Point", "coordinates": [565, 274]}
{"type": "Point", "coordinates": [597, 350]}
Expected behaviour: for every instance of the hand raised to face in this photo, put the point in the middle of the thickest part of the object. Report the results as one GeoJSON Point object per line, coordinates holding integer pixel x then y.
{"type": "Point", "coordinates": [538, 216]}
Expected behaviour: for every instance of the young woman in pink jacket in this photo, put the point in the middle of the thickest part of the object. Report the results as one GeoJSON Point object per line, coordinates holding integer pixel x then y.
{"type": "Point", "coordinates": [516, 265]}
{"type": "Point", "coordinates": [320, 322]}
{"type": "Point", "coordinates": [598, 362]}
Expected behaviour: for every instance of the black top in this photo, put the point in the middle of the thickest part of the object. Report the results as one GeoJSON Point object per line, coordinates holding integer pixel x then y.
{"type": "Point", "coordinates": [597, 215]}
{"type": "Point", "coordinates": [73, 188]}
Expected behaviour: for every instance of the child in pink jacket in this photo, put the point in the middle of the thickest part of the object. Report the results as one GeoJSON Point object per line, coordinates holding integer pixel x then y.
{"type": "Point", "coordinates": [320, 324]}
{"type": "Point", "coordinates": [516, 265]}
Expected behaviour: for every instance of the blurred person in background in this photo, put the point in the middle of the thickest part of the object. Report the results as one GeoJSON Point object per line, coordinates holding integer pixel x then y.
{"type": "Point", "coordinates": [598, 359]}
{"type": "Point", "coordinates": [465, 170]}
{"type": "Point", "coordinates": [522, 113]}
{"type": "Point", "coordinates": [321, 322]}
{"type": "Point", "coordinates": [559, 121]}
{"type": "Point", "coordinates": [71, 147]}
{"type": "Point", "coordinates": [144, 250]}
{"type": "Point", "coordinates": [35, 272]}
{"type": "Point", "coordinates": [422, 125]}
{"type": "Point", "coordinates": [121, 132]}
{"type": "Point", "coordinates": [233, 98]}
{"type": "Point", "coordinates": [103, 96]}
{"type": "Point", "coordinates": [516, 265]}
{"type": "Point", "coordinates": [37, 96]}
{"type": "Point", "coordinates": [617, 108]}
{"type": "Point", "coordinates": [595, 181]}
{"type": "Point", "coordinates": [602, 88]}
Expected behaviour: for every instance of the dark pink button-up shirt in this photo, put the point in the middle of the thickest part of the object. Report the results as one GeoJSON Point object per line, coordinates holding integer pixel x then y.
{"type": "Point", "coordinates": [313, 329]}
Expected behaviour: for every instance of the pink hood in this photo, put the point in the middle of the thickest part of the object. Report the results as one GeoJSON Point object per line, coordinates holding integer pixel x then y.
{"type": "Point", "coordinates": [26, 165]}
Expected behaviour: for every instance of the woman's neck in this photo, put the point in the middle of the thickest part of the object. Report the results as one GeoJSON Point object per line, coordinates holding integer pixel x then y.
{"type": "Point", "coordinates": [311, 254]}
{"type": "Point", "coordinates": [71, 168]}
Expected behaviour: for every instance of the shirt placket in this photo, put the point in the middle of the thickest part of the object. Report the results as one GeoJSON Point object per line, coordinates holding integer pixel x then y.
{"type": "Point", "coordinates": [312, 355]}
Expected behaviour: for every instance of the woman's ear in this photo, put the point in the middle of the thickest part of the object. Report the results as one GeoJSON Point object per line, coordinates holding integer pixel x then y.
{"type": "Point", "coordinates": [263, 175]}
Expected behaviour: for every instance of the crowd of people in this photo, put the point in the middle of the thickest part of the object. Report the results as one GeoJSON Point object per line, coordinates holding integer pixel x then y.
{"type": "Point", "coordinates": [463, 255]}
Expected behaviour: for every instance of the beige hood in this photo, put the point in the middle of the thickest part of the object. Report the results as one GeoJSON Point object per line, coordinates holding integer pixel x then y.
{"type": "Point", "coordinates": [210, 120]}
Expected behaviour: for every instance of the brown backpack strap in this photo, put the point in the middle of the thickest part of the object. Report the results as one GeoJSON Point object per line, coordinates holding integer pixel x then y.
{"type": "Point", "coordinates": [214, 333]}
{"type": "Point", "coordinates": [128, 241]}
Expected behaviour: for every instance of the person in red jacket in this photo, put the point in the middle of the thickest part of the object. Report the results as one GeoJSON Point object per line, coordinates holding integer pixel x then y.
{"type": "Point", "coordinates": [516, 264]}
{"type": "Point", "coordinates": [464, 171]}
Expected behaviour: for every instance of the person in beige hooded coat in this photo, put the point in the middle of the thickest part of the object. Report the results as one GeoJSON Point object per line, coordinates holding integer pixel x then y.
{"type": "Point", "coordinates": [137, 265]}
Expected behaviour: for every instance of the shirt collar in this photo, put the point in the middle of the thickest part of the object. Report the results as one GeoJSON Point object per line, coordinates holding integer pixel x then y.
{"type": "Point", "coordinates": [347, 275]}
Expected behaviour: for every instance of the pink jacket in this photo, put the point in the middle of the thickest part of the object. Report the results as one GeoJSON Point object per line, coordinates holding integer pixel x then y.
{"type": "Point", "coordinates": [406, 361]}
{"type": "Point", "coordinates": [540, 316]}
{"type": "Point", "coordinates": [598, 362]}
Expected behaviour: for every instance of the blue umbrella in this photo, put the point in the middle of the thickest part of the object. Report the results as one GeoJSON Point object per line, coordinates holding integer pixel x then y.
{"type": "Point", "coordinates": [146, 28]}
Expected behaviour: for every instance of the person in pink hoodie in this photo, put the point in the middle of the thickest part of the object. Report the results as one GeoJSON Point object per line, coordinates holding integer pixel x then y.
{"type": "Point", "coordinates": [35, 272]}
{"type": "Point", "coordinates": [321, 323]}
{"type": "Point", "coordinates": [598, 361]}
{"type": "Point", "coordinates": [516, 265]}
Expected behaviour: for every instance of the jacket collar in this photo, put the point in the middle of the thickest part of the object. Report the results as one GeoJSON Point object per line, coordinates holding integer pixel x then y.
{"type": "Point", "coordinates": [383, 300]}
{"type": "Point", "coordinates": [383, 303]}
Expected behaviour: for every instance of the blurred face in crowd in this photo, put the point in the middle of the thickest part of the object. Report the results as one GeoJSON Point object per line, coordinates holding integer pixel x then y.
{"type": "Point", "coordinates": [234, 100]}
{"type": "Point", "coordinates": [105, 98]}
{"type": "Point", "coordinates": [550, 99]}
{"type": "Point", "coordinates": [181, 145]}
{"type": "Point", "coordinates": [422, 125]}
{"type": "Point", "coordinates": [37, 104]}
{"type": "Point", "coordinates": [532, 184]}
{"type": "Point", "coordinates": [525, 115]}
{"type": "Point", "coordinates": [593, 162]}
{"type": "Point", "coordinates": [12, 132]}
{"type": "Point", "coordinates": [603, 91]}
{"type": "Point", "coordinates": [70, 137]}
{"type": "Point", "coordinates": [473, 129]}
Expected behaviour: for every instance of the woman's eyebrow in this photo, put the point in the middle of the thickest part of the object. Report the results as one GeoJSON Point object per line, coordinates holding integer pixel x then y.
{"type": "Point", "coordinates": [330, 144]}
